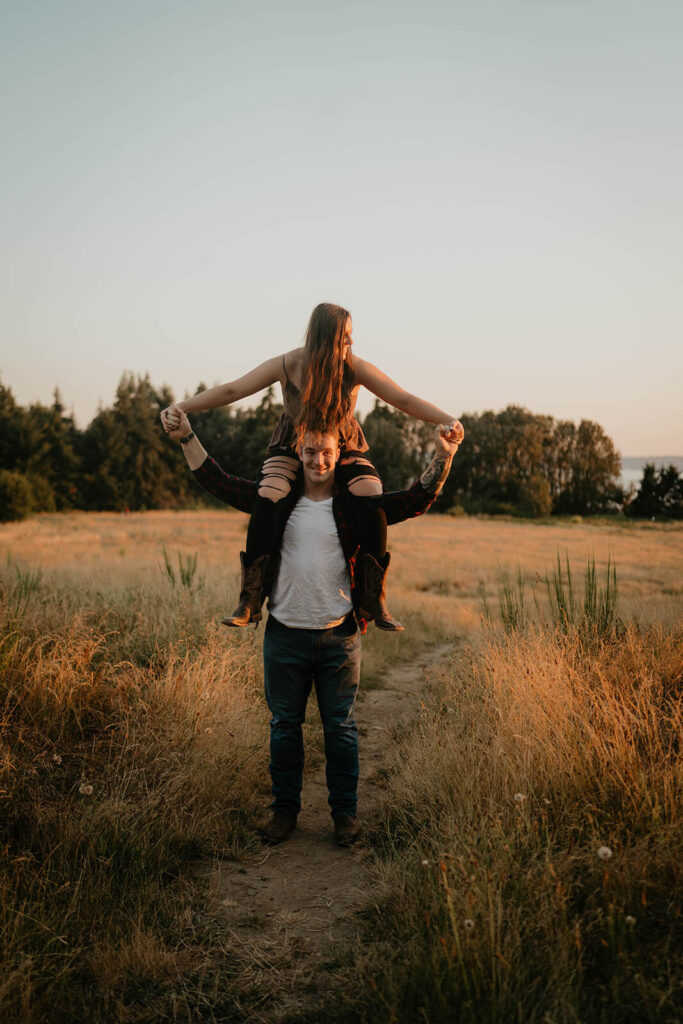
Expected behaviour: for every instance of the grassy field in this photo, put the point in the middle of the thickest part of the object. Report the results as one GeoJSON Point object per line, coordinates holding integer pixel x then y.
{"type": "Point", "coordinates": [134, 741]}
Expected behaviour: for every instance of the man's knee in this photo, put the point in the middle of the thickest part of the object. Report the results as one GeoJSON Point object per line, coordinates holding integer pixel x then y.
{"type": "Point", "coordinates": [284, 720]}
{"type": "Point", "coordinates": [365, 486]}
{"type": "Point", "coordinates": [277, 477]}
{"type": "Point", "coordinates": [363, 478]}
{"type": "Point", "coordinates": [273, 488]}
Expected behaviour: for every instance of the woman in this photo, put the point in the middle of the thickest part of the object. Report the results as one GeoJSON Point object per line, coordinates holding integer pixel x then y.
{"type": "Point", "coordinates": [320, 384]}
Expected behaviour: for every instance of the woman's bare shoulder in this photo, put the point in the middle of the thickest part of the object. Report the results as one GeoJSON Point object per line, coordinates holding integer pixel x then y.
{"type": "Point", "coordinates": [361, 369]}
{"type": "Point", "coordinates": [294, 361]}
{"type": "Point", "coordinates": [295, 356]}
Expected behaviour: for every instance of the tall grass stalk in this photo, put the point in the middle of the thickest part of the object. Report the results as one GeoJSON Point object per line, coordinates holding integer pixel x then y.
{"type": "Point", "coordinates": [512, 600]}
{"type": "Point", "coordinates": [187, 570]}
{"type": "Point", "coordinates": [595, 616]}
{"type": "Point", "coordinates": [598, 613]}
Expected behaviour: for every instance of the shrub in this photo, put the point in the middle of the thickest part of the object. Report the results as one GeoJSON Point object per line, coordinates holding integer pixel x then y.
{"type": "Point", "coordinates": [16, 496]}
{"type": "Point", "coordinates": [43, 494]}
{"type": "Point", "coordinates": [534, 497]}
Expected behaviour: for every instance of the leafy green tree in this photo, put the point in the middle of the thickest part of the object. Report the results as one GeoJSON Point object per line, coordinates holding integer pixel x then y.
{"type": "Point", "coordinates": [595, 465]}
{"type": "Point", "coordinates": [506, 454]}
{"type": "Point", "coordinates": [534, 496]}
{"type": "Point", "coordinates": [502, 454]}
{"type": "Point", "coordinates": [399, 445]}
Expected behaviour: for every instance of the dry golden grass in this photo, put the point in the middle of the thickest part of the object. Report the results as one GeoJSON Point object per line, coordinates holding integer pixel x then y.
{"type": "Point", "coordinates": [113, 678]}
{"type": "Point", "coordinates": [439, 564]}
{"type": "Point", "coordinates": [121, 762]}
{"type": "Point", "coordinates": [531, 842]}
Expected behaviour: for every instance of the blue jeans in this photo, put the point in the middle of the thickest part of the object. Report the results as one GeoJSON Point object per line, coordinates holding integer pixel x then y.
{"type": "Point", "coordinates": [293, 660]}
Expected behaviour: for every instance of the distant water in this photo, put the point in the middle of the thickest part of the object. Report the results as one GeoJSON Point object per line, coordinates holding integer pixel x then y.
{"type": "Point", "coordinates": [632, 468]}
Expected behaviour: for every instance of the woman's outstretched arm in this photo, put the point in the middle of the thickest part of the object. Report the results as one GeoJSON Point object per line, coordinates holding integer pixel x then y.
{"type": "Point", "coordinates": [225, 394]}
{"type": "Point", "coordinates": [389, 391]}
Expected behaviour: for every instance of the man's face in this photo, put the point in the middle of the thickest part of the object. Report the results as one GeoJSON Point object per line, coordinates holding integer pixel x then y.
{"type": "Point", "coordinates": [319, 454]}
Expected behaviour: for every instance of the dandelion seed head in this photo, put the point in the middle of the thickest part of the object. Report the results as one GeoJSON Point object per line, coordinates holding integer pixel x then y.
{"type": "Point", "coordinates": [630, 921]}
{"type": "Point", "coordinates": [604, 852]}
{"type": "Point", "coordinates": [424, 863]}
{"type": "Point", "coordinates": [520, 798]}
{"type": "Point", "coordinates": [85, 789]}
{"type": "Point", "coordinates": [468, 924]}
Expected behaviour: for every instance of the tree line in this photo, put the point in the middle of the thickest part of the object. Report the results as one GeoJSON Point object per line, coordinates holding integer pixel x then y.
{"type": "Point", "coordinates": [512, 462]}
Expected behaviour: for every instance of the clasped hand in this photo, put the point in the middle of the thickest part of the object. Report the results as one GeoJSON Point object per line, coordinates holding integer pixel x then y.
{"type": "Point", "coordinates": [450, 435]}
{"type": "Point", "coordinates": [175, 422]}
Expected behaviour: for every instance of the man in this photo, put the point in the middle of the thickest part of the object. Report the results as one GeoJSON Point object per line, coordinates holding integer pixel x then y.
{"type": "Point", "coordinates": [313, 630]}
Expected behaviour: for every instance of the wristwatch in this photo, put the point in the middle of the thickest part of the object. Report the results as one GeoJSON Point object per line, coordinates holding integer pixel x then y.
{"type": "Point", "coordinates": [184, 440]}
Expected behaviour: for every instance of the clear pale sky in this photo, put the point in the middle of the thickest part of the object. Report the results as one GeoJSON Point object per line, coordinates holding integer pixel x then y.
{"type": "Point", "coordinates": [493, 189]}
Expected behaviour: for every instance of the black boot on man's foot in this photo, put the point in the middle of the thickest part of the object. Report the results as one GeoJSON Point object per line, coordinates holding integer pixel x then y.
{"type": "Point", "coordinates": [278, 828]}
{"type": "Point", "coordinates": [346, 830]}
{"type": "Point", "coordinates": [253, 577]}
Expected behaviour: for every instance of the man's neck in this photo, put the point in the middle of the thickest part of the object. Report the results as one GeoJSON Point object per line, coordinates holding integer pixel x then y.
{"type": "Point", "coordinates": [318, 492]}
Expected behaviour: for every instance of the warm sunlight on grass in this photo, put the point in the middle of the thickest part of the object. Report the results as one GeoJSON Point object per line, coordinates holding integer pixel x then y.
{"type": "Point", "coordinates": [134, 741]}
{"type": "Point", "coordinates": [531, 839]}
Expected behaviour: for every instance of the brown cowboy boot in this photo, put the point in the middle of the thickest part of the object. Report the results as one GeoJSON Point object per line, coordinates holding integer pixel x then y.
{"type": "Point", "coordinates": [278, 828]}
{"type": "Point", "coordinates": [346, 830]}
{"type": "Point", "coordinates": [249, 607]}
{"type": "Point", "coordinates": [372, 604]}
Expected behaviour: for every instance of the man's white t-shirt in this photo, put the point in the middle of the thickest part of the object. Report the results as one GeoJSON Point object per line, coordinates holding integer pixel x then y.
{"type": "Point", "coordinates": [313, 587]}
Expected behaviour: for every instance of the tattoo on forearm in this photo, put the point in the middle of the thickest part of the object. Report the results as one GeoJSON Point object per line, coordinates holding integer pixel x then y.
{"type": "Point", "coordinates": [435, 474]}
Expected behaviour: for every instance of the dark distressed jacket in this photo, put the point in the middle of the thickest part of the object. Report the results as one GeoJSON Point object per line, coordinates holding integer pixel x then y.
{"type": "Point", "coordinates": [241, 494]}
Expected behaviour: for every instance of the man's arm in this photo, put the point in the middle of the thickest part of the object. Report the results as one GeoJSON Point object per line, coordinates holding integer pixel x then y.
{"type": "Point", "coordinates": [436, 473]}
{"type": "Point", "coordinates": [232, 490]}
{"type": "Point", "coordinates": [400, 505]}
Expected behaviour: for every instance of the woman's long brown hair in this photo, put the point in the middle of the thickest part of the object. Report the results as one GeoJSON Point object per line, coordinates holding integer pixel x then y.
{"type": "Point", "coordinates": [327, 377]}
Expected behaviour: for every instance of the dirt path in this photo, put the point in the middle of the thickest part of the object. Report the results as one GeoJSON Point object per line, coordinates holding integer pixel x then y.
{"type": "Point", "coordinates": [291, 908]}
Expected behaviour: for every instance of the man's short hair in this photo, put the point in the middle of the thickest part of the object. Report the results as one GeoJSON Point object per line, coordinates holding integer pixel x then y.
{"type": "Point", "coordinates": [318, 435]}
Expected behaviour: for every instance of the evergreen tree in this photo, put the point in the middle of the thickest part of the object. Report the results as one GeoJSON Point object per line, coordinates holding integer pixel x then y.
{"type": "Point", "coordinates": [129, 461]}
{"type": "Point", "coordinates": [100, 484]}
{"type": "Point", "coordinates": [181, 489]}
{"type": "Point", "coordinates": [14, 433]}
{"type": "Point", "coordinates": [53, 456]}
{"type": "Point", "coordinates": [246, 434]}
{"type": "Point", "coordinates": [660, 494]}
{"type": "Point", "coordinates": [138, 456]}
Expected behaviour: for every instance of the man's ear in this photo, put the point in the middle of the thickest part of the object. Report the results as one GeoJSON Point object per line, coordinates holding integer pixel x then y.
{"type": "Point", "coordinates": [337, 455]}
